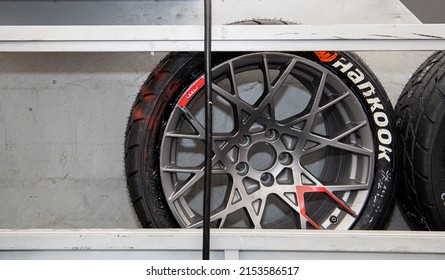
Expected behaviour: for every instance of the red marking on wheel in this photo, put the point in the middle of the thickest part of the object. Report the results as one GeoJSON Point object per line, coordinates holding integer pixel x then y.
{"type": "Point", "coordinates": [191, 92]}
{"type": "Point", "coordinates": [302, 190]}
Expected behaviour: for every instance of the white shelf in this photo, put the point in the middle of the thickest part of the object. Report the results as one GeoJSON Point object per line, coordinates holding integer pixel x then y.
{"type": "Point", "coordinates": [225, 244]}
{"type": "Point", "coordinates": [134, 26]}
{"type": "Point", "coordinates": [225, 38]}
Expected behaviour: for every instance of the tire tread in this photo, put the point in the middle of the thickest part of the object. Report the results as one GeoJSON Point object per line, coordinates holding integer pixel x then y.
{"type": "Point", "coordinates": [420, 114]}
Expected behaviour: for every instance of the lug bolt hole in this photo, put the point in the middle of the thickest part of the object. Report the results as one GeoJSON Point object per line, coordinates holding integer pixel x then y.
{"type": "Point", "coordinates": [285, 158]}
{"type": "Point", "coordinates": [271, 135]}
{"type": "Point", "coordinates": [333, 219]}
{"type": "Point", "coordinates": [242, 168]}
{"type": "Point", "coordinates": [267, 179]}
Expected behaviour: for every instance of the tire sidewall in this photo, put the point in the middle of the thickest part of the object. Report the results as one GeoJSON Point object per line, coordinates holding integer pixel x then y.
{"type": "Point", "coordinates": [375, 103]}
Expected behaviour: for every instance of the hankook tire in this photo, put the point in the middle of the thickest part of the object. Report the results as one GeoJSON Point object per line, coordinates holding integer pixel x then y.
{"type": "Point", "coordinates": [301, 140]}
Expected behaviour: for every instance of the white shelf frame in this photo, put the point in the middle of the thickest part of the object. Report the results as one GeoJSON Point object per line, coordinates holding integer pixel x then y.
{"type": "Point", "coordinates": [226, 244]}
{"type": "Point", "coordinates": [347, 37]}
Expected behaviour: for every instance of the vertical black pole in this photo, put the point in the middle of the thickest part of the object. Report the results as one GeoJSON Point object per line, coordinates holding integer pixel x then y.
{"type": "Point", "coordinates": [208, 128]}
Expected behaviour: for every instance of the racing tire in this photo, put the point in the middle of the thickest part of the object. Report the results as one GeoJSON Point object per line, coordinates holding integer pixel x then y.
{"type": "Point", "coordinates": [300, 140]}
{"type": "Point", "coordinates": [420, 114]}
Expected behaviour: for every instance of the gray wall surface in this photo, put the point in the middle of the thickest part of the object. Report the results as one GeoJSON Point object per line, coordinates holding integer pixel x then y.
{"type": "Point", "coordinates": [428, 11]}
{"type": "Point", "coordinates": [63, 118]}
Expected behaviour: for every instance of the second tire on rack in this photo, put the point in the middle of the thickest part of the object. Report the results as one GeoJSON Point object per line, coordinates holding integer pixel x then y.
{"type": "Point", "coordinates": [421, 122]}
{"type": "Point", "coordinates": [301, 140]}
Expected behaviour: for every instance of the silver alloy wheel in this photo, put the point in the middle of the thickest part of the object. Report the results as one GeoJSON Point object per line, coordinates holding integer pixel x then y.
{"type": "Point", "coordinates": [292, 147]}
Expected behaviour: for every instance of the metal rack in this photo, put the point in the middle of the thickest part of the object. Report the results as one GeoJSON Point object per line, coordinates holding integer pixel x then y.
{"type": "Point", "coordinates": [75, 26]}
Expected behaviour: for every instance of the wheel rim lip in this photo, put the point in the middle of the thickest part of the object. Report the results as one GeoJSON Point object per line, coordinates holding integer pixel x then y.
{"type": "Point", "coordinates": [255, 139]}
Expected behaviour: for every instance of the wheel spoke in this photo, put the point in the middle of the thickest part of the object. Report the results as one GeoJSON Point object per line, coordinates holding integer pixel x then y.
{"type": "Point", "coordinates": [233, 99]}
{"type": "Point", "coordinates": [289, 202]}
{"type": "Point", "coordinates": [256, 211]}
{"type": "Point", "coordinates": [197, 126]}
{"type": "Point", "coordinates": [310, 177]}
{"type": "Point", "coordinates": [180, 169]}
{"type": "Point", "coordinates": [322, 142]}
{"type": "Point", "coordinates": [347, 187]}
{"type": "Point", "coordinates": [282, 78]}
{"type": "Point", "coordinates": [335, 101]}
{"type": "Point", "coordinates": [267, 100]}
{"type": "Point", "coordinates": [220, 215]}
{"type": "Point", "coordinates": [315, 104]}
{"type": "Point", "coordinates": [351, 128]}
{"type": "Point", "coordinates": [304, 218]}
{"type": "Point", "coordinates": [241, 108]}
{"type": "Point", "coordinates": [302, 190]}
{"type": "Point", "coordinates": [354, 149]}
{"type": "Point", "coordinates": [296, 208]}
{"type": "Point", "coordinates": [234, 202]}
{"type": "Point", "coordinates": [183, 135]}
{"type": "Point", "coordinates": [187, 185]}
{"type": "Point", "coordinates": [309, 115]}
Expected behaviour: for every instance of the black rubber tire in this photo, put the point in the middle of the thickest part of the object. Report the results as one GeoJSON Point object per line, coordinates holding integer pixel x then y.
{"type": "Point", "coordinates": [420, 114]}
{"type": "Point", "coordinates": [176, 72]}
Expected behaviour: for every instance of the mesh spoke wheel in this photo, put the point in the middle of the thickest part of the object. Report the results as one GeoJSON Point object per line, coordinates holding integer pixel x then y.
{"type": "Point", "coordinates": [294, 144]}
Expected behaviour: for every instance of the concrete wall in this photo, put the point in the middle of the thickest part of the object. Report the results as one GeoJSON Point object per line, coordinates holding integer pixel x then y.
{"type": "Point", "coordinates": [428, 11]}
{"type": "Point", "coordinates": [63, 118]}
